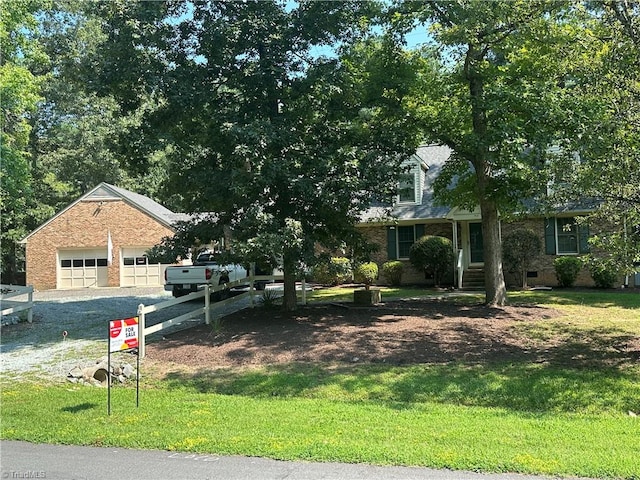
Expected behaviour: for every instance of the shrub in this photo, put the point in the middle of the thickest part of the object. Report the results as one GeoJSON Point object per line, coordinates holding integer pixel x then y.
{"type": "Point", "coordinates": [567, 269]}
{"type": "Point", "coordinates": [334, 272]}
{"type": "Point", "coordinates": [433, 255]}
{"type": "Point", "coordinates": [366, 273]}
{"type": "Point", "coordinates": [392, 271]}
{"type": "Point", "coordinates": [269, 299]}
{"type": "Point", "coordinates": [519, 249]}
{"type": "Point", "coordinates": [604, 273]}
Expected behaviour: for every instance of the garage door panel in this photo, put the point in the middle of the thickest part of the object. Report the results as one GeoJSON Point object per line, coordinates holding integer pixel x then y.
{"type": "Point", "coordinates": [136, 272]}
{"type": "Point", "coordinates": [81, 268]}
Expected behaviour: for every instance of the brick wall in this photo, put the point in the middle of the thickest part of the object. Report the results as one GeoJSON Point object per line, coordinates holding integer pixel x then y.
{"type": "Point", "coordinates": [543, 265]}
{"type": "Point", "coordinates": [378, 236]}
{"type": "Point", "coordinates": [86, 225]}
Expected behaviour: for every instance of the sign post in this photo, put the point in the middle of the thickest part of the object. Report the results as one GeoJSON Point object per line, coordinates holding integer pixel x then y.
{"type": "Point", "coordinates": [123, 337]}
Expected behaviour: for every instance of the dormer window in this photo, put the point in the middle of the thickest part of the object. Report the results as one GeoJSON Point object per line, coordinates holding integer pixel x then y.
{"type": "Point", "coordinates": [407, 188]}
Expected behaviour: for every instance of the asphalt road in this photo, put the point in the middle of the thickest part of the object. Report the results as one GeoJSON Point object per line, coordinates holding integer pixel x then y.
{"type": "Point", "coordinates": [22, 460]}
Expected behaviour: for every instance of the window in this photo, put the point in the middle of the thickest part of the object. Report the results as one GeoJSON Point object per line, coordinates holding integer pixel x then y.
{"type": "Point", "coordinates": [407, 188]}
{"type": "Point", "coordinates": [83, 262]}
{"type": "Point", "coordinates": [400, 239]}
{"type": "Point", "coordinates": [406, 238]}
{"type": "Point", "coordinates": [565, 236]}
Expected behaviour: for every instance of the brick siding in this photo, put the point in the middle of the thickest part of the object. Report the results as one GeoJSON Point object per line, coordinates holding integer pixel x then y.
{"type": "Point", "coordinates": [542, 266]}
{"type": "Point", "coordinates": [86, 225]}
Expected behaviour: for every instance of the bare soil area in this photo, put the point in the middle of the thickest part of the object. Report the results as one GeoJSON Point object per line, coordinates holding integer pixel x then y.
{"type": "Point", "coordinates": [395, 333]}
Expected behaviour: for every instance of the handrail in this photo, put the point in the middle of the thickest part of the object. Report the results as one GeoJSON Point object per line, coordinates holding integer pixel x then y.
{"type": "Point", "coordinates": [460, 268]}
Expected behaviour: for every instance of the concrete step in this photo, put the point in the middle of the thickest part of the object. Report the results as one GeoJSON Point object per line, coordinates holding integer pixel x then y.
{"type": "Point", "coordinates": [473, 279]}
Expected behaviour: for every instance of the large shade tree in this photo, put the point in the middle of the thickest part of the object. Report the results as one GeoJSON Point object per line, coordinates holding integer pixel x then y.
{"type": "Point", "coordinates": [273, 139]}
{"type": "Point", "coordinates": [494, 96]}
{"type": "Point", "coordinates": [606, 122]}
{"type": "Point", "coordinates": [20, 91]}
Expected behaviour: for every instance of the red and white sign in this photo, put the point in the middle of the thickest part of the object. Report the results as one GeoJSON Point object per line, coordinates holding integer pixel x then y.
{"type": "Point", "coordinates": [123, 334]}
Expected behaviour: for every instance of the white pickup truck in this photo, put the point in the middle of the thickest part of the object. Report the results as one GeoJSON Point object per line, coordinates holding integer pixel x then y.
{"type": "Point", "coordinates": [182, 280]}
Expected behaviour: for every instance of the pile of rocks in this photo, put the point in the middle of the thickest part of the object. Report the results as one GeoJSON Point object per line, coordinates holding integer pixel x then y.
{"type": "Point", "coordinates": [6, 320]}
{"type": "Point", "coordinates": [97, 374]}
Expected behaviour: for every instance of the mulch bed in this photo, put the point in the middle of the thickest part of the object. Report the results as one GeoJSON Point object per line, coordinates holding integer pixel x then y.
{"type": "Point", "coordinates": [395, 333]}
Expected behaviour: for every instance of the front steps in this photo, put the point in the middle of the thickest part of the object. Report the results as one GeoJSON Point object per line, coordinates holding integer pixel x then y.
{"type": "Point", "coordinates": [473, 279]}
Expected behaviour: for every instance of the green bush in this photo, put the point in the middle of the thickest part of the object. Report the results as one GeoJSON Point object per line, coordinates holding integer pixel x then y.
{"type": "Point", "coordinates": [366, 273]}
{"type": "Point", "coordinates": [269, 299]}
{"type": "Point", "coordinates": [433, 255]}
{"type": "Point", "coordinates": [604, 273]}
{"type": "Point", "coordinates": [519, 249]}
{"type": "Point", "coordinates": [567, 269]}
{"type": "Point", "coordinates": [392, 272]}
{"type": "Point", "coordinates": [334, 272]}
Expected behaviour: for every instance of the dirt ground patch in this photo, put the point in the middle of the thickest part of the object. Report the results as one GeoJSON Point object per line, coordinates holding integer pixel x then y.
{"type": "Point", "coordinates": [395, 333]}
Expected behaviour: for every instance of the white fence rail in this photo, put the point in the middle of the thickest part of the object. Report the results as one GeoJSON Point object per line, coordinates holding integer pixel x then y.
{"type": "Point", "coordinates": [209, 308]}
{"type": "Point", "coordinates": [14, 306]}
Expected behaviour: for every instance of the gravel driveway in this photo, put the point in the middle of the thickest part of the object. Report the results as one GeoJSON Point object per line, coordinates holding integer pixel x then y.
{"type": "Point", "coordinates": [40, 349]}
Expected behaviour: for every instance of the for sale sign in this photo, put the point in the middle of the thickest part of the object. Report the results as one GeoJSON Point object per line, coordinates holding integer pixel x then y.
{"type": "Point", "coordinates": [123, 334]}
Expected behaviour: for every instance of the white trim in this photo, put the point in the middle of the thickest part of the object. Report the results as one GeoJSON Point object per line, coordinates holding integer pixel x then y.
{"type": "Point", "coordinates": [462, 215]}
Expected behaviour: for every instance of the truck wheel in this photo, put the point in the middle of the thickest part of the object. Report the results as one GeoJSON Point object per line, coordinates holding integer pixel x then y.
{"type": "Point", "coordinates": [178, 292]}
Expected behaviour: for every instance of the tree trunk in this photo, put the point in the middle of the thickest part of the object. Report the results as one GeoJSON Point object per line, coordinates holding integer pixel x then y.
{"type": "Point", "coordinates": [496, 290]}
{"type": "Point", "coordinates": [290, 299]}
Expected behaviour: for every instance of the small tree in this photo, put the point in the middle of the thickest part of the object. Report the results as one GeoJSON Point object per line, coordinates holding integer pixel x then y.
{"type": "Point", "coordinates": [519, 249]}
{"type": "Point", "coordinates": [366, 273]}
{"type": "Point", "coordinates": [433, 255]}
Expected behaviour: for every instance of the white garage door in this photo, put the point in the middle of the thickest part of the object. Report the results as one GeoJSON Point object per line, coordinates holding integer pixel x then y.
{"type": "Point", "coordinates": [82, 268]}
{"type": "Point", "coordinates": [136, 270]}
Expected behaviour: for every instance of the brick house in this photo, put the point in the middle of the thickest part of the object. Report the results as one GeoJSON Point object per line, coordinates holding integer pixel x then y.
{"type": "Point", "coordinates": [415, 214]}
{"type": "Point", "coordinates": [99, 240]}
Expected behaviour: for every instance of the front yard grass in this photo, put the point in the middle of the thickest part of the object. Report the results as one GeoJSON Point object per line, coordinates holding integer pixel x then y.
{"type": "Point", "coordinates": [570, 419]}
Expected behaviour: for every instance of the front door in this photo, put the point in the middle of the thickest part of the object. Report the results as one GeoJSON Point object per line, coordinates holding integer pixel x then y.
{"type": "Point", "coordinates": [476, 244]}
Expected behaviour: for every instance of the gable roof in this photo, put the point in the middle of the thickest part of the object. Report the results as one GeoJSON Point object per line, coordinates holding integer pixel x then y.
{"type": "Point", "coordinates": [433, 157]}
{"type": "Point", "coordinates": [108, 192]}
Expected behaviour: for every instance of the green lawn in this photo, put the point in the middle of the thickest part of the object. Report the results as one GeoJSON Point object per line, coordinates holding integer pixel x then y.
{"type": "Point", "coordinates": [345, 293]}
{"type": "Point", "coordinates": [534, 418]}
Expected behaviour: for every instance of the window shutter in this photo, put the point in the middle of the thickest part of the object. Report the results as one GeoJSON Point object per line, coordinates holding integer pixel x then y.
{"type": "Point", "coordinates": [583, 232]}
{"type": "Point", "coordinates": [550, 236]}
{"type": "Point", "coordinates": [392, 250]}
{"type": "Point", "coordinates": [419, 229]}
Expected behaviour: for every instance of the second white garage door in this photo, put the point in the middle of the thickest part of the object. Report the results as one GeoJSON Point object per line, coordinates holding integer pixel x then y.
{"type": "Point", "coordinates": [136, 271]}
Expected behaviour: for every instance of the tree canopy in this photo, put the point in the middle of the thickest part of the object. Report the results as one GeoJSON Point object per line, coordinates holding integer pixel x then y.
{"type": "Point", "coordinates": [497, 96]}
{"type": "Point", "coordinates": [281, 121]}
{"type": "Point", "coordinates": [279, 145]}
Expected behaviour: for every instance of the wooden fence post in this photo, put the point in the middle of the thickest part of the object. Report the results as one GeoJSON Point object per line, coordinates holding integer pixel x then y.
{"type": "Point", "coordinates": [252, 274]}
{"type": "Point", "coordinates": [207, 304]}
{"type": "Point", "coordinates": [30, 302]}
